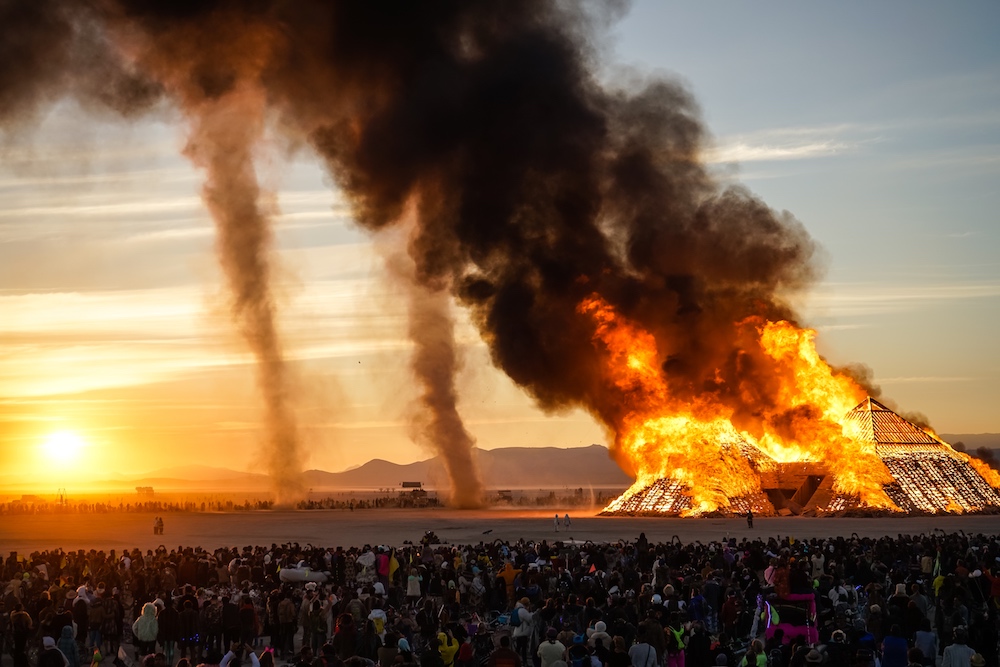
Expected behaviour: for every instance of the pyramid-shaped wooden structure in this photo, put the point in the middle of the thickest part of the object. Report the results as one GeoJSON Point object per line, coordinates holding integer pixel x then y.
{"type": "Point", "coordinates": [929, 476]}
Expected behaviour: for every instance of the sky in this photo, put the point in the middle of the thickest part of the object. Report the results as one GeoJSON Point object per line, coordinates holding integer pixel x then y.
{"type": "Point", "coordinates": [875, 124]}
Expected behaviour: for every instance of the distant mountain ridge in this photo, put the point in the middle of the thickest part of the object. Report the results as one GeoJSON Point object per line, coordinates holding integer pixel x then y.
{"type": "Point", "coordinates": [502, 468]}
{"type": "Point", "coordinates": [507, 467]}
{"type": "Point", "coordinates": [973, 440]}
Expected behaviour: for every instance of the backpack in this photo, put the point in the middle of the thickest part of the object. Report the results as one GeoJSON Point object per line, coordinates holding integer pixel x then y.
{"type": "Point", "coordinates": [514, 620]}
{"type": "Point", "coordinates": [675, 643]}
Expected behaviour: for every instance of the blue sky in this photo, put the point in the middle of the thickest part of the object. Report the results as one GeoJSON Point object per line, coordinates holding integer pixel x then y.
{"type": "Point", "coordinates": [876, 124]}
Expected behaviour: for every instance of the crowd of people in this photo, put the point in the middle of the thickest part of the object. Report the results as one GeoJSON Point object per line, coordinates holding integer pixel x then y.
{"type": "Point", "coordinates": [896, 602]}
{"type": "Point", "coordinates": [38, 505]}
{"type": "Point", "coordinates": [35, 505]}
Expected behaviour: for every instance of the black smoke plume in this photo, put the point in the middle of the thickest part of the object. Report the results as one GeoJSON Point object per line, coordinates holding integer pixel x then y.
{"type": "Point", "coordinates": [539, 184]}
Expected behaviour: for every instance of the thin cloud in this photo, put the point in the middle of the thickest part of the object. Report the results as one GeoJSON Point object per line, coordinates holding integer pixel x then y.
{"type": "Point", "coordinates": [791, 143]}
{"type": "Point", "coordinates": [106, 209]}
{"type": "Point", "coordinates": [117, 178]}
{"type": "Point", "coordinates": [745, 152]}
{"type": "Point", "coordinates": [853, 299]}
{"type": "Point", "coordinates": [68, 342]}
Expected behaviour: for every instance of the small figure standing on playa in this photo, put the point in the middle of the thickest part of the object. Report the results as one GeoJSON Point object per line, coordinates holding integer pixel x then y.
{"type": "Point", "coordinates": [556, 522]}
{"type": "Point", "coordinates": [749, 518]}
{"type": "Point", "coordinates": [566, 521]}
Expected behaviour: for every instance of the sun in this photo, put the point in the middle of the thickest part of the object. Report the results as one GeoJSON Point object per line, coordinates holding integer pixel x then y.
{"type": "Point", "coordinates": [63, 447]}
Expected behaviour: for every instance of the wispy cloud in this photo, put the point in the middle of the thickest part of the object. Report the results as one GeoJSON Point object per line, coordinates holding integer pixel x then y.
{"type": "Point", "coordinates": [113, 216]}
{"type": "Point", "coordinates": [116, 178]}
{"type": "Point", "coordinates": [746, 152]}
{"type": "Point", "coordinates": [64, 342]}
{"type": "Point", "coordinates": [82, 209]}
{"type": "Point", "coordinates": [791, 143]}
{"type": "Point", "coordinates": [854, 299]}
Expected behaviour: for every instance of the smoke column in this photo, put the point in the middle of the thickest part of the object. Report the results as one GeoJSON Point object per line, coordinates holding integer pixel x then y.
{"type": "Point", "coordinates": [436, 423]}
{"type": "Point", "coordinates": [435, 363]}
{"type": "Point", "coordinates": [218, 88]}
{"type": "Point", "coordinates": [222, 143]}
{"type": "Point", "coordinates": [539, 185]}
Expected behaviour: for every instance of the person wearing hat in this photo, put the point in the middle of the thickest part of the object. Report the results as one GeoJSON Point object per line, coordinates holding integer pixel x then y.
{"type": "Point", "coordinates": [599, 632]}
{"type": "Point", "coordinates": [145, 630]}
{"type": "Point", "coordinates": [977, 660]}
{"type": "Point", "coordinates": [52, 656]}
{"type": "Point", "coordinates": [448, 647]}
{"type": "Point", "coordinates": [578, 655]}
{"type": "Point", "coordinates": [67, 646]}
{"type": "Point", "coordinates": [838, 650]}
{"type": "Point", "coordinates": [814, 657]}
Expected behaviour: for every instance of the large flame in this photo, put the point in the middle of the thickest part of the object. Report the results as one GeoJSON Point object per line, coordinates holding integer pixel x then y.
{"type": "Point", "coordinates": [697, 441]}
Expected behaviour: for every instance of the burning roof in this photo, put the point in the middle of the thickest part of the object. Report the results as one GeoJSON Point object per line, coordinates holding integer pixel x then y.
{"type": "Point", "coordinates": [927, 476]}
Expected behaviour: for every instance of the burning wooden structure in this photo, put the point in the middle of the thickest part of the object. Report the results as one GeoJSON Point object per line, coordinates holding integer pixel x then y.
{"type": "Point", "coordinates": [927, 476]}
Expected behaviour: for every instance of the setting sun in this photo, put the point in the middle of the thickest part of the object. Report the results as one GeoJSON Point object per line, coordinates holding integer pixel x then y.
{"type": "Point", "coordinates": [63, 447]}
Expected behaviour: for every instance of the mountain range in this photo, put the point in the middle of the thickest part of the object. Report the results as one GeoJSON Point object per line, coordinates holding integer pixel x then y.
{"type": "Point", "coordinates": [502, 468]}
{"type": "Point", "coordinates": [972, 441]}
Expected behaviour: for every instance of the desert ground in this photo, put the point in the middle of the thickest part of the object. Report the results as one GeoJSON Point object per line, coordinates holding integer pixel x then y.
{"type": "Point", "coordinates": [393, 527]}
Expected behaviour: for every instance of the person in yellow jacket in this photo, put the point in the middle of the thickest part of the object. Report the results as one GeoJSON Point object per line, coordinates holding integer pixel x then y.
{"type": "Point", "coordinates": [448, 648]}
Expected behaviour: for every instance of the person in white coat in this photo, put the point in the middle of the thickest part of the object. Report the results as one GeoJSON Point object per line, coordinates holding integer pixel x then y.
{"type": "Point", "coordinates": [524, 630]}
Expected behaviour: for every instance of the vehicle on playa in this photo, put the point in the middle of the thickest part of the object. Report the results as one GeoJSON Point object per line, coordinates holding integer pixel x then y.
{"type": "Point", "coordinates": [300, 573]}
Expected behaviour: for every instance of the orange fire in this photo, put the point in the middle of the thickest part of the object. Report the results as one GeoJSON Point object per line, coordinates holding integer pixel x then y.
{"type": "Point", "coordinates": [697, 441]}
